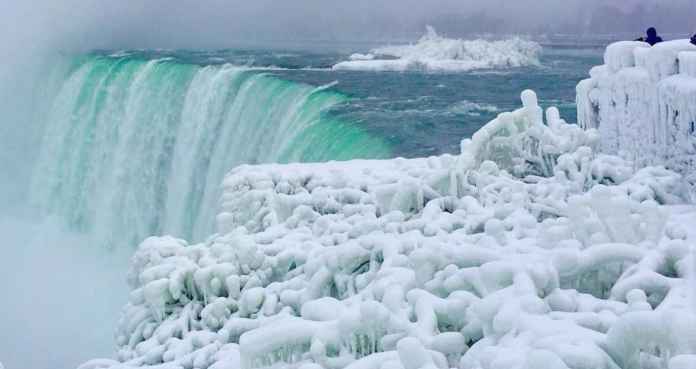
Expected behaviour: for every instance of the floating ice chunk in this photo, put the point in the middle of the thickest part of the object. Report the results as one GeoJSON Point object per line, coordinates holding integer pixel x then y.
{"type": "Point", "coordinates": [94, 364]}
{"type": "Point", "coordinates": [683, 362]}
{"type": "Point", "coordinates": [434, 53]}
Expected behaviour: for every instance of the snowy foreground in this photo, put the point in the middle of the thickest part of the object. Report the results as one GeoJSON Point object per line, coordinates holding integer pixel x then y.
{"type": "Point", "coordinates": [530, 250]}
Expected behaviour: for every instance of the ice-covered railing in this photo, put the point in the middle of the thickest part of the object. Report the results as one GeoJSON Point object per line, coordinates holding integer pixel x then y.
{"type": "Point", "coordinates": [643, 101]}
{"type": "Point", "coordinates": [527, 251]}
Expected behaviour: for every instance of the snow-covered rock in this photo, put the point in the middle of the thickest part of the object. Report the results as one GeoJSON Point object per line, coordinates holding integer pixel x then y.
{"type": "Point", "coordinates": [529, 250]}
{"type": "Point", "coordinates": [643, 102]}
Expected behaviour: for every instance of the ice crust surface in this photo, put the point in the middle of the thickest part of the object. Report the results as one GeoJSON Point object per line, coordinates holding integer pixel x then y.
{"type": "Point", "coordinates": [435, 53]}
{"type": "Point", "coordinates": [532, 249]}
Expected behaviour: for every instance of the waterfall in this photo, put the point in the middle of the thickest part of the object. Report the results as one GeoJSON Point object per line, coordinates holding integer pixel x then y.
{"type": "Point", "coordinates": [135, 147]}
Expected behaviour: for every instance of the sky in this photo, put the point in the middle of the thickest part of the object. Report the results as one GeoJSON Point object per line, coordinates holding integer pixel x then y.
{"type": "Point", "coordinates": [220, 23]}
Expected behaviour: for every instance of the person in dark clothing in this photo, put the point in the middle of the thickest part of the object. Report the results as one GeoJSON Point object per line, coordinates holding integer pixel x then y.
{"type": "Point", "coordinates": [693, 39]}
{"type": "Point", "coordinates": [652, 38]}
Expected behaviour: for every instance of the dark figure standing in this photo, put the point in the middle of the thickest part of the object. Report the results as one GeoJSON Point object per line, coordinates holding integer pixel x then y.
{"type": "Point", "coordinates": [693, 39]}
{"type": "Point", "coordinates": [652, 38]}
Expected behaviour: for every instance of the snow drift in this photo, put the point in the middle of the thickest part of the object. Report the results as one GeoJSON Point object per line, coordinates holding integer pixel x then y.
{"type": "Point", "coordinates": [643, 101]}
{"type": "Point", "coordinates": [436, 53]}
{"type": "Point", "coordinates": [529, 250]}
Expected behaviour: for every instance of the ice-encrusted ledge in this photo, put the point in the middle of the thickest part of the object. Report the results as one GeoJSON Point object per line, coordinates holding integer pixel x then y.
{"type": "Point", "coordinates": [528, 250]}
{"type": "Point", "coordinates": [643, 102]}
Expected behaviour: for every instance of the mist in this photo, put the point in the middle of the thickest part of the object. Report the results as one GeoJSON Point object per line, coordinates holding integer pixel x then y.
{"type": "Point", "coordinates": [61, 295]}
{"type": "Point", "coordinates": [61, 298]}
{"type": "Point", "coordinates": [86, 24]}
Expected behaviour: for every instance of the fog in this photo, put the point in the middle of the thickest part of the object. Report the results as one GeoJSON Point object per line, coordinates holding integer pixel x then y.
{"type": "Point", "coordinates": [31, 31]}
{"type": "Point", "coordinates": [221, 23]}
{"type": "Point", "coordinates": [60, 295]}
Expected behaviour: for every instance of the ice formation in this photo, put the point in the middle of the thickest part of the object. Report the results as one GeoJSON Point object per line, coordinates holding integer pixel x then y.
{"type": "Point", "coordinates": [643, 101]}
{"type": "Point", "coordinates": [436, 53]}
{"type": "Point", "coordinates": [529, 250]}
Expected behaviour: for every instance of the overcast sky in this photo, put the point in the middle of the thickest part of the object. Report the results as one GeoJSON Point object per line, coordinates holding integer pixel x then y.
{"type": "Point", "coordinates": [218, 23]}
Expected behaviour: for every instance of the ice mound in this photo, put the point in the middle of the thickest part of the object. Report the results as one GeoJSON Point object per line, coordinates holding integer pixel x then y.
{"type": "Point", "coordinates": [529, 250]}
{"type": "Point", "coordinates": [643, 101]}
{"type": "Point", "coordinates": [439, 54]}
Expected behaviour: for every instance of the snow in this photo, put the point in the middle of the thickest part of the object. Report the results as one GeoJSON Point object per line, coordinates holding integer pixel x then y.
{"type": "Point", "coordinates": [435, 53]}
{"type": "Point", "coordinates": [530, 249]}
{"type": "Point", "coordinates": [642, 103]}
